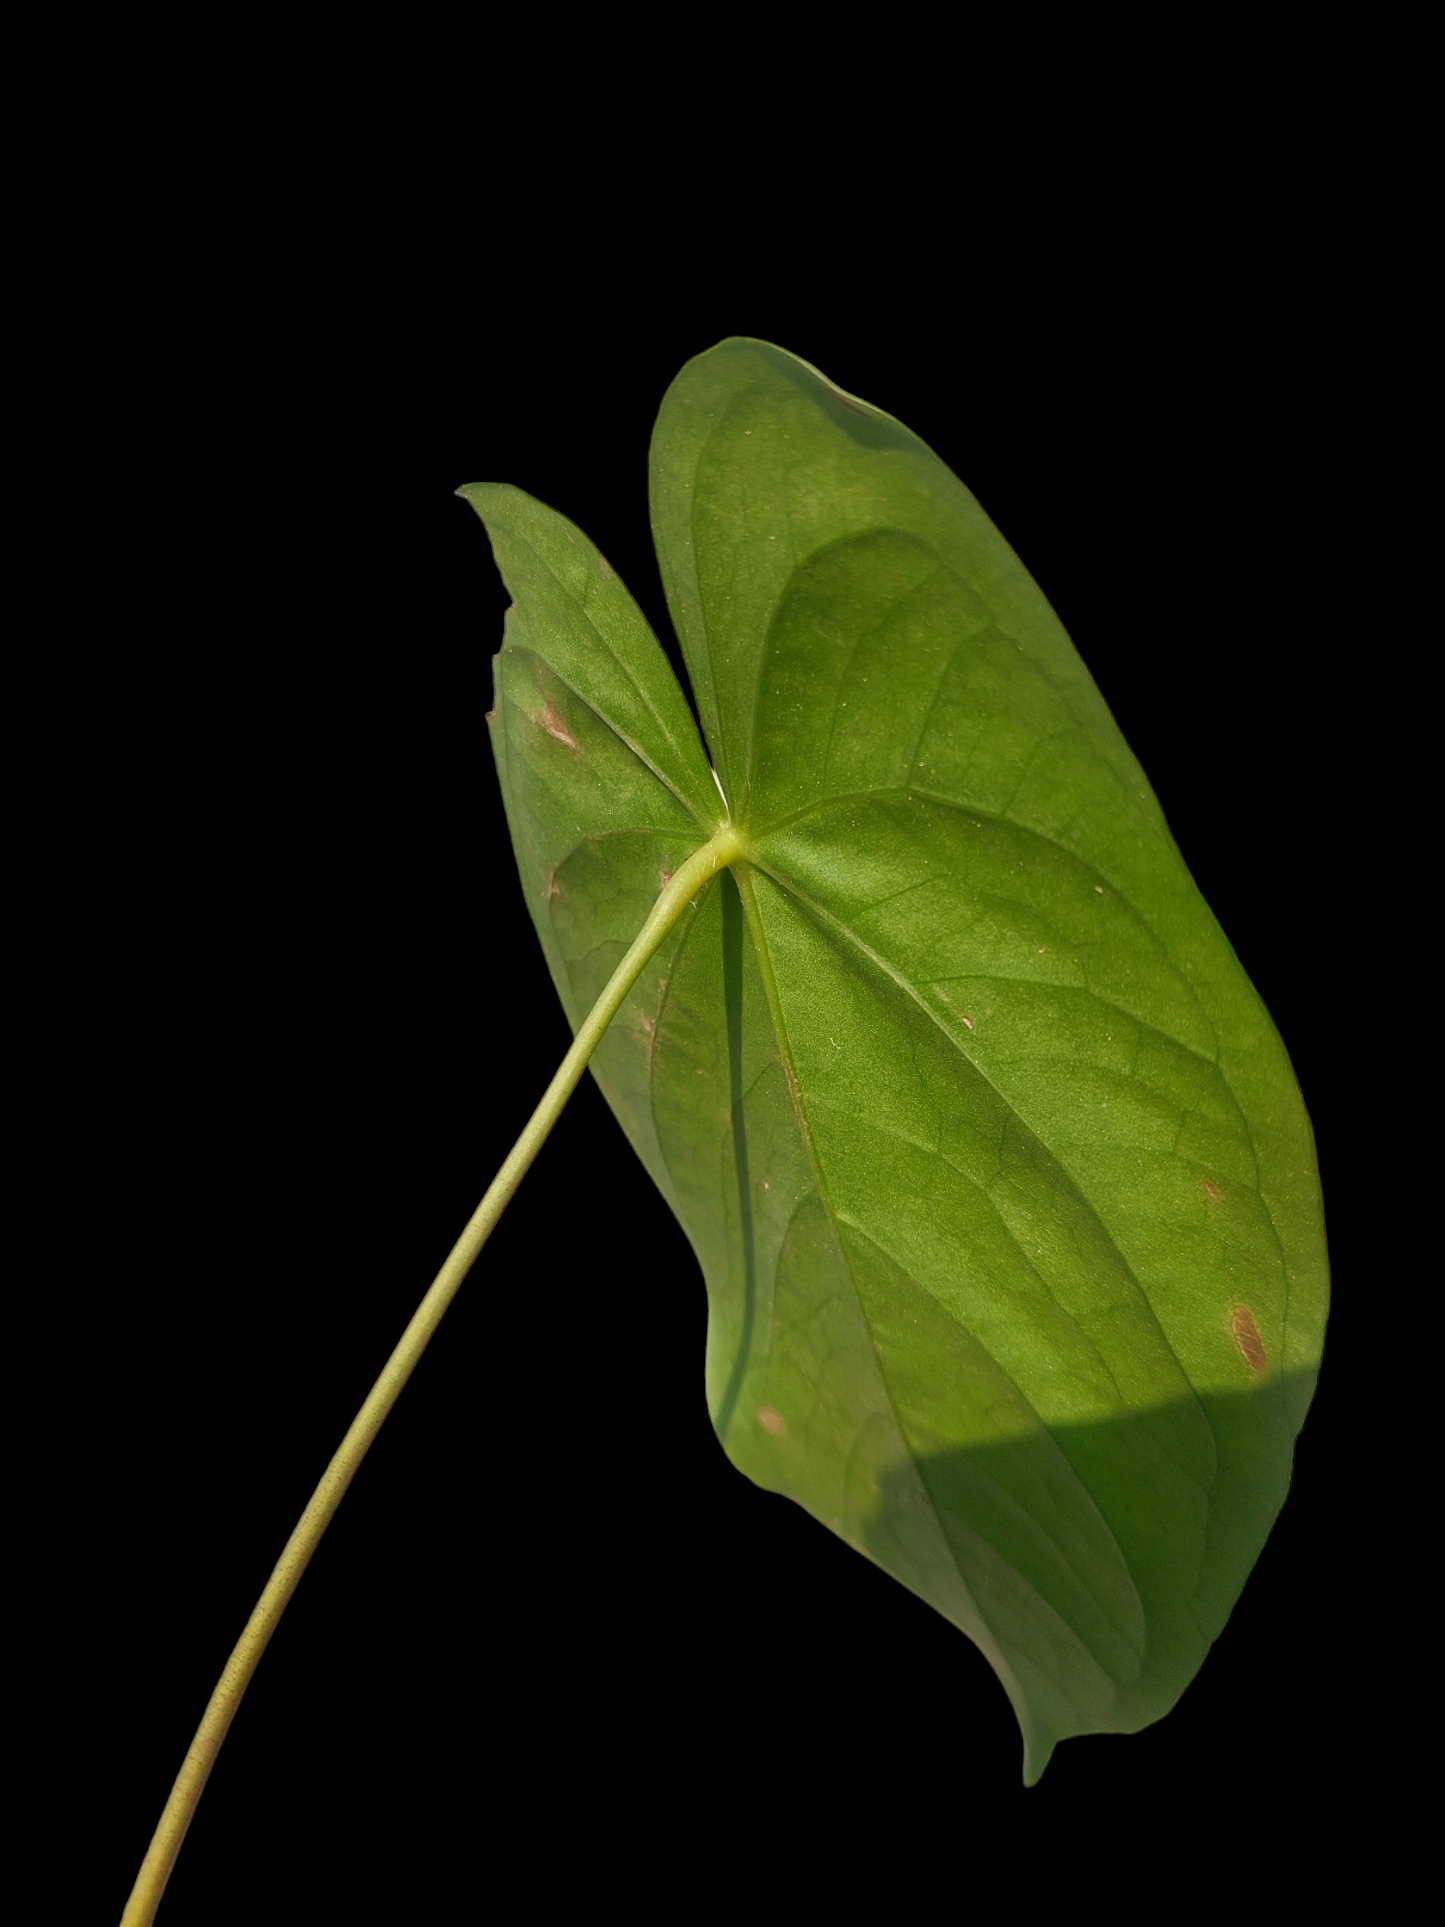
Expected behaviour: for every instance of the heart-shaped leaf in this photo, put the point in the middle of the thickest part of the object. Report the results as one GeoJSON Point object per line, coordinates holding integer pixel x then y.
{"type": "Point", "coordinates": [1001, 1185]}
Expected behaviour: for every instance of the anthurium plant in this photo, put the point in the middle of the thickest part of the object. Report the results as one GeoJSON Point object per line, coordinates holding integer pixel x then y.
{"type": "Point", "coordinates": [881, 952]}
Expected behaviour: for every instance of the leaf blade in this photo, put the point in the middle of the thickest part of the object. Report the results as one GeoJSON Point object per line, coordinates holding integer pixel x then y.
{"type": "Point", "coordinates": [984, 1141]}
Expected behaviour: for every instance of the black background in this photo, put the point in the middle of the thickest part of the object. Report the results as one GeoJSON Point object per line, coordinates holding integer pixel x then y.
{"type": "Point", "coordinates": [552, 1636]}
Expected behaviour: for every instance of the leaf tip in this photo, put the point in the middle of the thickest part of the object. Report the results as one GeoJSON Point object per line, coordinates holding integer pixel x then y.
{"type": "Point", "coordinates": [1037, 1754]}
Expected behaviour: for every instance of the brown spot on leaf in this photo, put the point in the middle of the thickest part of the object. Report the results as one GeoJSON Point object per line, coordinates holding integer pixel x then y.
{"type": "Point", "coordinates": [1211, 1189]}
{"type": "Point", "coordinates": [664, 877]}
{"type": "Point", "coordinates": [1246, 1336]}
{"type": "Point", "coordinates": [770, 1421]}
{"type": "Point", "coordinates": [967, 1020]}
{"type": "Point", "coordinates": [554, 888]}
{"type": "Point", "coordinates": [555, 727]}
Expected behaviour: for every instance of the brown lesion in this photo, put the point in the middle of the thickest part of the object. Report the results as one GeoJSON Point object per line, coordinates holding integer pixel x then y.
{"type": "Point", "coordinates": [555, 727]}
{"type": "Point", "coordinates": [1246, 1336]}
{"type": "Point", "coordinates": [1211, 1190]}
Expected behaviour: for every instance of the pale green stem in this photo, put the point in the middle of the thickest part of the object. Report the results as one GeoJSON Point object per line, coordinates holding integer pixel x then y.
{"type": "Point", "coordinates": [150, 1884]}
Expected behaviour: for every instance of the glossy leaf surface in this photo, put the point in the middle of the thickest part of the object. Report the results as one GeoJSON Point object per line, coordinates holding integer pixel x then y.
{"type": "Point", "coordinates": [1001, 1185]}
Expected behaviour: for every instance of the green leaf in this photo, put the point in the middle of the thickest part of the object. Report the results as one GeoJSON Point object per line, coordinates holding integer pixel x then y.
{"type": "Point", "coordinates": [999, 1178]}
